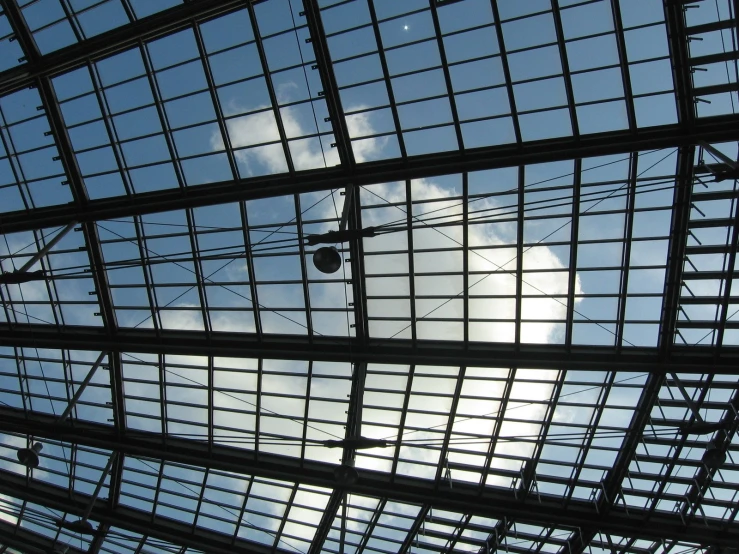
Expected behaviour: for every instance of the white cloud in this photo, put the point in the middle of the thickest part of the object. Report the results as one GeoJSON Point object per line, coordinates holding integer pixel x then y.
{"type": "Point", "coordinates": [250, 130]}
{"type": "Point", "coordinates": [306, 153]}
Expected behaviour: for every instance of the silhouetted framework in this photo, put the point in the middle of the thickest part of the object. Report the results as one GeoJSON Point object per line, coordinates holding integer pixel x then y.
{"type": "Point", "coordinates": [663, 411]}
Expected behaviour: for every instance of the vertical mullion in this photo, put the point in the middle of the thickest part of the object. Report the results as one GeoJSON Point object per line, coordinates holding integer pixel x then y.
{"type": "Point", "coordinates": [730, 265]}
{"type": "Point", "coordinates": [305, 412]}
{"type": "Point", "coordinates": [679, 226]}
{"type": "Point", "coordinates": [163, 396]}
{"type": "Point", "coordinates": [72, 477]}
{"type": "Point", "coordinates": [356, 250]}
{"type": "Point", "coordinates": [158, 488]}
{"type": "Point", "coordinates": [237, 527]}
{"type": "Point", "coordinates": [115, 361]}
{"type": "Point", "coordinates": [529, 469]}
{"type": "Point", "coordinates": [270, 87]}
{"type": "Point", "coordinates": [216, 104]}
{"type": "Point", "coordinates": [624, 63]}
{"type": "Point", "coordinates": [519, 254]}
{"type": "Point", "coordinates": [575, 232]}
{"type": "Point", "coordinates": [22, 362]}
{"type": "Point", "coordinates": [497, 427]}
{"type": "Point", "coordinates": [506, 71]}
{"type": "Point", "coordinates": [71, 16]}
{"type": "Point", "coordinates": [565, 66]}
{"type": "Point", "coordinates": [18, 354]}
{"type": "Point", "coordinates": [20, 182]}
{"type": "Point", "coordinates": [401, 423]}
{"type": "Point", "coordinates": [97, 86]}
{"type": "Point", "coordinates": [457, 534]}
{"type": "Point", "coordinates": [148, 277]}
{"type": "Point", "coordinates": [130, 14]}
{"type": "Point", "coordinates": [197, 267]}
{"type": "Point", "coordinates": [303, 267]}
{"type": "Point", "coordinates": [450, 424]}
{"type": "Point", "coordinates": [211, 402]}
{"type": "Point", "coordinates": [250, 269]}
{"type": "Point", "coordinates": [371, 525]}
{"type": "Point", "coordinates": [465, 255]}
{"type": "Point", "coordinates": [281, 528]}
{"type": "Point", "coordinates": [405, 548]}
{"type": "Point", "coordinates": [7, 310]}
{"type": "Point", "coordinates": [626, 259]}
{"type": "Point", "coordinates": [159, 105]}
{"type": "Point", "coordinates": [447, 76]}
{"type": "Point", "coordinates": [411, 264]}
{"type": "Point", "coordinates": [9, 145]}
{"type": "Point", "coordinates": [386, 77]}
{"type": "Point", "coordinates": [68, 377]}
{"type": "Point", "coordinates": [257, 419]}
{"type": "Point", "coordinates": [589, 435]}
{"type": "Point", "coordinates": [48, 284]}
{"type": "Point", "coordinates": [200, 500]}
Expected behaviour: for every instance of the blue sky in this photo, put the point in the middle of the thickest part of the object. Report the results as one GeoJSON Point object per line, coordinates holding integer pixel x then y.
{"type": "Point", "coordinates": [146, 119]}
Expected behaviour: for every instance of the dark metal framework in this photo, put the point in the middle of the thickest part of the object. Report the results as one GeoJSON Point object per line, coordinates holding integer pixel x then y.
{"type": "Point", "coordinates": [541, 332]}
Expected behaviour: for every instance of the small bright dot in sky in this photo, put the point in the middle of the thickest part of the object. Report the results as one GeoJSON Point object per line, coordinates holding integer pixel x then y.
{"type": "Point", "coordinates": [405, 27]}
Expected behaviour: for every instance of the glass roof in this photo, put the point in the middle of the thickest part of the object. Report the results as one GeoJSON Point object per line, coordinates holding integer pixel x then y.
{"type": "Point", "coordinates": [527, 341]}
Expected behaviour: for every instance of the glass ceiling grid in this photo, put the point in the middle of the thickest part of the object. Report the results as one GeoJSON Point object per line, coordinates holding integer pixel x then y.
{"type": "Point", "coordinates": [713, 55]}
{"type": "Point", "coordinates": [623, 228]}
{"type": "Point", "coordinates": [55, 24]}
{"type": "Point", "coordinates": [707, 304]}
{"type": "Point", "coordinates": [482, 258]}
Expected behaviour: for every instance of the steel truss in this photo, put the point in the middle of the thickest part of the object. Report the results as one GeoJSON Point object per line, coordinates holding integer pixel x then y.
{"type": "Point", "coordinates": [460, 497]}
{"type": "Point", "coordinates": [605, 516]}
{"type": "Point", "coordinates": [338, 349]}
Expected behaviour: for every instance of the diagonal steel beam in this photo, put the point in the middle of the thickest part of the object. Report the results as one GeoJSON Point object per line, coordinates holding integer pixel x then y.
{"type": "Point", "coordinates": [682, 359]}
{"type": "Point", "coordinates": [464, 498]}
{"type": "Point", "coordinates": [720, 129]}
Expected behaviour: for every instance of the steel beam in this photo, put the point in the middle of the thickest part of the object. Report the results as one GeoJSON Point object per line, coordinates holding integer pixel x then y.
{"type": "Point", "coordinates": [463, 498]}
{"type": "Point", "coordinates": [670, 136]}
{"type": "Point", "coordinates": [135, 521]}
{"type": "Point", "coordinates": [678, 242]}
{"type": "Point", "coordinates": [677, 38]}
{"type": "Point", "coordinates": [20, 539]}
{"type": "Point", "coordinates": [683, 359]}
{"type": "Point", "coordinates": [110, 42]}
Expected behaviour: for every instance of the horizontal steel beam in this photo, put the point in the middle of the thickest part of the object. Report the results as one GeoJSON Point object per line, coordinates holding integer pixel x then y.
{"type": "Point", "coordinates": [395, 351]}
{"type": "Point", "coordinates": [22, 540]}
{"type": "Point", "coordinates": [135, 521]}
{"type": "Point", "coordinates": [462, 498]}
{"type": "Point", "coordinates": [112, 42]}
{"type": "Point", "coordinates": [671, 136]}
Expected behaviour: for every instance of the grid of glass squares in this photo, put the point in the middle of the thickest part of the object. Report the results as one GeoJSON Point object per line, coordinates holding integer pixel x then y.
{"type": "Point", "coordinates": [566, 253]}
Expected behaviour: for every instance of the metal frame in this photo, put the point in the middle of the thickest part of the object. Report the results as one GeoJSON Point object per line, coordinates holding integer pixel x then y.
{"type": "Point", "coordinates": [606, 513]}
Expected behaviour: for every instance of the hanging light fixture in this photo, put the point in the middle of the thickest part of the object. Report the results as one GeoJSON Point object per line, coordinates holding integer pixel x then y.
{"type": "Point", "coordinates": [29, 456]}
{"type": "Point", "coordinates": [327, 259]}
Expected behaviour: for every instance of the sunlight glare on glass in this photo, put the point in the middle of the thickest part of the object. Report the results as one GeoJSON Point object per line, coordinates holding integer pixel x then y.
{"type": "Point", "coordinates": [405, 27]}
